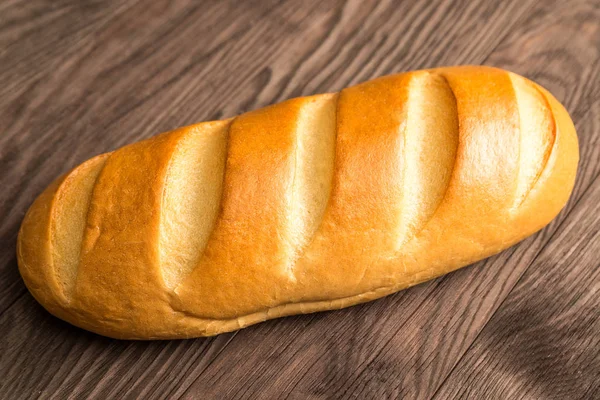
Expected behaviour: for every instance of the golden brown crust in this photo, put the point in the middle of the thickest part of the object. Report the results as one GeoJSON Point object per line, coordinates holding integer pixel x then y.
{"type": "Point", "coordinates": [327, 201]}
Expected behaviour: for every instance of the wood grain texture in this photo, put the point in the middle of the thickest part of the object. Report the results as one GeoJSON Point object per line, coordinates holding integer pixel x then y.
{"type": "Point", "coordinates": [81, 78]}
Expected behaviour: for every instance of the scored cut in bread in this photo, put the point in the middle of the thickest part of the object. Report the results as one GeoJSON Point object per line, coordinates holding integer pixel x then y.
{"type": "Point", "coordinates": [312, 204]}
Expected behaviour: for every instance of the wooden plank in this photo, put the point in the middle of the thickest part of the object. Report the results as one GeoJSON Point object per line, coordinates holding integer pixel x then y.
{"type": "Point", "coordinates": [164, 64]}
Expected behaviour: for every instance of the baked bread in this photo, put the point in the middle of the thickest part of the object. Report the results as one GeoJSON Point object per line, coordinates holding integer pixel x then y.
{"type": "Point", "coordinates": [313, 204]}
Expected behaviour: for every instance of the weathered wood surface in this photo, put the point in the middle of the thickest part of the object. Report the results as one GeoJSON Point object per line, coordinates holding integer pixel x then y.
{"type": "Point", "coordinates": [80, 78]}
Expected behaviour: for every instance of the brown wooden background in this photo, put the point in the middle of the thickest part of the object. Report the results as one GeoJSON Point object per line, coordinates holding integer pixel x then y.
{"type": "Point", "coordinates": [78, 78]}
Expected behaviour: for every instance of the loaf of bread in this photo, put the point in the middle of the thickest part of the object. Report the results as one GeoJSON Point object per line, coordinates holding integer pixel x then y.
{"type": "Point", "coordinates": [313, 204]}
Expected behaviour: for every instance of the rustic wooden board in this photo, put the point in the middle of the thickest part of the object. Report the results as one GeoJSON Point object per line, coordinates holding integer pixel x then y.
{"type": "Point", "coordinates": [81, 78]}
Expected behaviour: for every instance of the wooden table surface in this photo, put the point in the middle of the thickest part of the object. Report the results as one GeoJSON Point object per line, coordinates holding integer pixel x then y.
{"type": "Point", "coordinates": [78, 78]}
